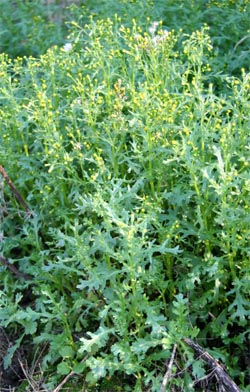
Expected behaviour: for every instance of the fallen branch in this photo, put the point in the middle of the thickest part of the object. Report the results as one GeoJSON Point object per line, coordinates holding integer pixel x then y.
{"type": "Point", "coordinates": [168, 372]}
{"type": "Point", "coordinates": [222, 377]}
{"type": "Point", "coordinates": [13, 269]}
{"type": "Point", "coordinates": [15, 191]}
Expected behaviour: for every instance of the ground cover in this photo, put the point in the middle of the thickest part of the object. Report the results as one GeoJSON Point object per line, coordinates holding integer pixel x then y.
{"type": "Point", "coordinates": [124, 153]}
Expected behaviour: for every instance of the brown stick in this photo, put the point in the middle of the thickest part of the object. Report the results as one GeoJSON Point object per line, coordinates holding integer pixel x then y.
{"type": "Point", "coordinates": [15, 191]}
{"type": "Point", "coordinates": [220, 373]}
{"type": "Point", "coordinates": [58, 388]}
{"type": "Point", "coordinates": [13, 269]}
{"type": "Point", "coordinates": [168, 372]}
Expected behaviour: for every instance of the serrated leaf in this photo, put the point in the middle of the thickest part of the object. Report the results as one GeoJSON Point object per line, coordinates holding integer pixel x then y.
{"type": "Point", "coordinates": [156, 321]}
{"type": "Point", "coordinates": [198, 369]}
{"type": "Point", "coordinates": [240, 303]}
{"type": "Point", "coordinates": [11, 351]}
{"type": "Point", "coordinates": [163, 249]}
{"type": "Point", "coordinates": [242, 307]}
{"type": "Point", "coordinates": [98, 367]}
{"type": "Point", "coordinates": [97, 339]}
{"type": "Point", "coordinates": [141, 346]}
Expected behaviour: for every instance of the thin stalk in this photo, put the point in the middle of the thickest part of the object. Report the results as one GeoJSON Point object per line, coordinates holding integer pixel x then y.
{"type": "Point", "coordinates": [169, 273]}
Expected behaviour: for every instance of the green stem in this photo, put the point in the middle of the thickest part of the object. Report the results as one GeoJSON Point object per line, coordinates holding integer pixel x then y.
{"type": "Point", "coordinates": [169, 273]}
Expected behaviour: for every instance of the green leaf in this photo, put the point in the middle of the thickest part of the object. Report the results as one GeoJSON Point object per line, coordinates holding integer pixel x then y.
{"type": "Point", "coordinates": [11, 351]}
{"type": "Point", "coordinates": [78, 368]}
{"type": "Point", "coordinates": [141, 346]}
{"type": "Point", "coordinates": [241, 306]}
{"type": "Point", "coordinates": [96, 341]}
{"type": "Point", "coordinates": [241, 303]}
{"type": "Point", "coordinates": [156, 321]}
{"type": "Point", "coordinates": [63, 368]}
{"type": "Point", "coordinates": [98, 367]}
{"type": "Point", "coordinates": [198, 369]}
{"type": "Point", "coordinates": [67, 352]}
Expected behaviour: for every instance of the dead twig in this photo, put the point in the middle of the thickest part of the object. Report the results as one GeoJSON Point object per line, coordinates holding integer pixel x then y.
{"type": "Point", "coordinates": [15, 191]}
{"type": "Point", "coordinates": [34, 374]}
{"type": "Point", "coordinates": [222, 377]}
{"type": "Point", "coordinates": [168, 372]}
{"type": "Point", "coordinates": [30, 381]}
{"type": "Point", "coordinates": [57, 389]}
{"type": "Point", "coordinates": [66, 378]}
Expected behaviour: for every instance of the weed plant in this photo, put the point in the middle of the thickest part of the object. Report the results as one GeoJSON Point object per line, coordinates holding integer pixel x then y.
{"type": "Point", "coordinates": [131, 147]}
{"type": "Point", "coordinates": [31, 27]}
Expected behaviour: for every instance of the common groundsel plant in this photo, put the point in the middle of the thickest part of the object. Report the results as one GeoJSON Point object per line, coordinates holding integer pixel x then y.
{"type": "Point", "coordinates": [136, 168]}
{"type": "Point", "coordinates": [30, 28]}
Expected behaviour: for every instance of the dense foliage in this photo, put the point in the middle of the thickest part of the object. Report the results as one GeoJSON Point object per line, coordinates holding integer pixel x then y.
{"type": "Point", "coordinates": [130, 144]}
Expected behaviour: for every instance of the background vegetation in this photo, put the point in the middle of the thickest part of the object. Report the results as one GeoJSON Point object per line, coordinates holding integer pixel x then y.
{"type": "Point", "coordinates": [125, 127]}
